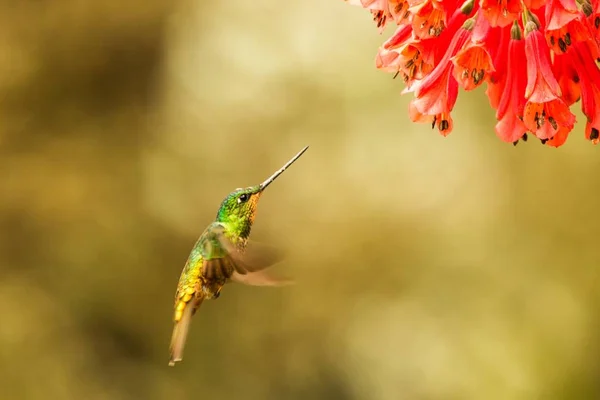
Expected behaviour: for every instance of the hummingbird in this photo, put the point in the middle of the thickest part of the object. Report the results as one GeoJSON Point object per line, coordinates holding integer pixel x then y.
{"type": "Point", "coordinates": [224, 254]}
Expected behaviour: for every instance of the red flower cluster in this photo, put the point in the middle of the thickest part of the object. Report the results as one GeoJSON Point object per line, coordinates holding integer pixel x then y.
{"type": "Point", "coordinates": [538, 58]}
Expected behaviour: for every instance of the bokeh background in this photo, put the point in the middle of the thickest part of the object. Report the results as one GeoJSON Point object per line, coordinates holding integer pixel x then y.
{"type": "Point", "coordinates": [428, 267]}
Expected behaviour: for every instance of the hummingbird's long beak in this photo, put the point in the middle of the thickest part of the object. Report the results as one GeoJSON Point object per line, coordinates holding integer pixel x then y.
{"type": "Point", "coordinates": [269, 180]}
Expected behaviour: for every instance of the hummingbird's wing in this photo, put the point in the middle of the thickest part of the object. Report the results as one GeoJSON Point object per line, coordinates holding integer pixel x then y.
{"type": "Point", "coordinates": [260, 278]}
{"type": "Point", "coordinates": [251, 268]}
{"type": "Point", "coordinates": [256, 257]}
{"type": "Point", "coordinates": [223, 259]}
{"type": "Point", "coordinates": [217, 251]}
{"type": "Point", "coordinates": [220, 253]}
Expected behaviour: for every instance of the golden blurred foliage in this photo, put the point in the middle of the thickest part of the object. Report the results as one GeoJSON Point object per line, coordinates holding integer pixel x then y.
{"type": "Point", "coordinates": [427, 267]}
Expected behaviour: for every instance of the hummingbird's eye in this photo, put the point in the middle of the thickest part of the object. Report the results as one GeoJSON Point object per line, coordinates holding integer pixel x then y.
{"type": "Point", "coordinates": [243, 198]}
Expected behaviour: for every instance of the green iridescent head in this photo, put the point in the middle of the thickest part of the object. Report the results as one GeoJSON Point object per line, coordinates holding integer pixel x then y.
{"type": "Point", "coordinates": [238, 209]}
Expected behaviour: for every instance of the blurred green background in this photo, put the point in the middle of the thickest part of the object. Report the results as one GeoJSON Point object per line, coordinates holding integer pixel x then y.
{"type": "Point", "coordinates": [428, 267]}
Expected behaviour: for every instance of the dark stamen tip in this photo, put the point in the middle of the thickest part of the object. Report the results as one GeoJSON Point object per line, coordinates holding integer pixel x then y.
{"type": "Point", "coordinates": [444, 125]}
{"type": "Point", "coordinates": [562, 45]}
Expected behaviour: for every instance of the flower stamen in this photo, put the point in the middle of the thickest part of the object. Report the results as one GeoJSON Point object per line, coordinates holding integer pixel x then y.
{"type": "Point", "coordinates": [428, 22]}
{"type": "Point", "coordinates": [379, 18]}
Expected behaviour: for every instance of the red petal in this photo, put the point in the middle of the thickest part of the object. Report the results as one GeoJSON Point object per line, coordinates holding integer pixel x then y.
{"type": "Point", "coordinates": [514, 87]}
{"type": "Point", "coordinates": [437, 98]}
{"type": "Point", "coordinates": [402, 34]}
{"type": "Point", "coordinates": [387, 60]}
{"type": "Point", "coordinates": [437, 92]}
{"type": "Point", "coordinates": [592, 130]}
{"type": "Point", "coordinates": [560, 137]}
{"type": "Point", "coordinates": [373, 4]}
{"type": "Point", "coordinates": [428, 21]}
{"type": "Point", "coordinates": [568, 79]}
{"type": "Point", "coordinates": [443, 66]}
{"type": "Point", "coordinates": [497, 79]}
{"type": "Point", "coordinates": [510, 128]}
{"type": "Point", "coordinates": [472, 66]}
{"type": "Point", "coordinates": [444, 121]}
{"type": "Point", "coordinates": [481, 29]}
{"type": "Point", "coordinates": [541, 84]}
{"type": "Point", "coordinates": [494, 92]}
{"type": "Point", "coordinates": [534, 4]}
{"type": "Point", "coordinates": [559, 13]}
{"type": "Point", "coordinates": [589, 76]}
{"type": "Point", "coordinates": [501, 13]}
{"type": "Point", "coordinates": [545, 119]}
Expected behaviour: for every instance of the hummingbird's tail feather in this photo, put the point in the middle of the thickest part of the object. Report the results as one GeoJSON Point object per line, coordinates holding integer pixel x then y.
{"type": "Point", "coordinates": [180, 331]}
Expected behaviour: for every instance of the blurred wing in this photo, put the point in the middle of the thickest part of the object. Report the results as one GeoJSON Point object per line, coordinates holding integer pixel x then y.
{"type": "Point", "coordinates": [218, 268]}
{"type": "Point", "coordinates": [222, 257]}
{"type": "Point", "coordinates": [256, 257]}
{"type": "Point", "coordinates": [216, 253]}
{"type": "Point", "coordinates": [251, 266]}
{"type": "Point", "coordinates": [260, 278]}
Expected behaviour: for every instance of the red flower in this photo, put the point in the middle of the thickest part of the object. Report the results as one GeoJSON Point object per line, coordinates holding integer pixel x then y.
{"type": "Point", "coordinates": [510, 126]}
{"type": "Point", "coordinates": [501, 13]}
{"type": "Point", "coordinates": [538, 58]}
{"type": "Point", "coordinates": [399, 10]}
{"type": "Point", "coordinates": [545, 119]}
{"type": "Point", "coordinates": [545, 111]}
{"type": "Point", "coordinates": [473, 63]}
{"type": "Point", "coordinates": [590, 91]}
{"type": "Point", "coordinates": [574, 31]}
{"type": "Point", "coordinates": [402, 34]}
{"type": "Point", "coordinates": [405, 54]}
{"type": "Point", "coordinates": [429, 19]}
{"type": "Point", "coordinates": [408, 60]}
{"type": "Point", "coordinates": [541, 84]}
{"type": "Point", "coordinates": [382, 10]}
{"type": "Point", "coordinates": [436, 94]}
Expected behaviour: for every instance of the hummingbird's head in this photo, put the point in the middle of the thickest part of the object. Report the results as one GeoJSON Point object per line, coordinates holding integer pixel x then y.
{"type": "Point", "coordinates": [238, 209]}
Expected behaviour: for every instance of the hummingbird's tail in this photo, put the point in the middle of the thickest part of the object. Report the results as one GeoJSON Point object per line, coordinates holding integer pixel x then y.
{"type": "Point", "coordinates": [180, 331]}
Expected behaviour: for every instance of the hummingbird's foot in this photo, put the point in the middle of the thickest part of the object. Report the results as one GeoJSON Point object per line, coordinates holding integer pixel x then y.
{"type": "Point", "coordinates": [217, 294]}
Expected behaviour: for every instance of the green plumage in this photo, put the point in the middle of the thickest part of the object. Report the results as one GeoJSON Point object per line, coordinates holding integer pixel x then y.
{"type": "Point", "coordinates": [238, 220]}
